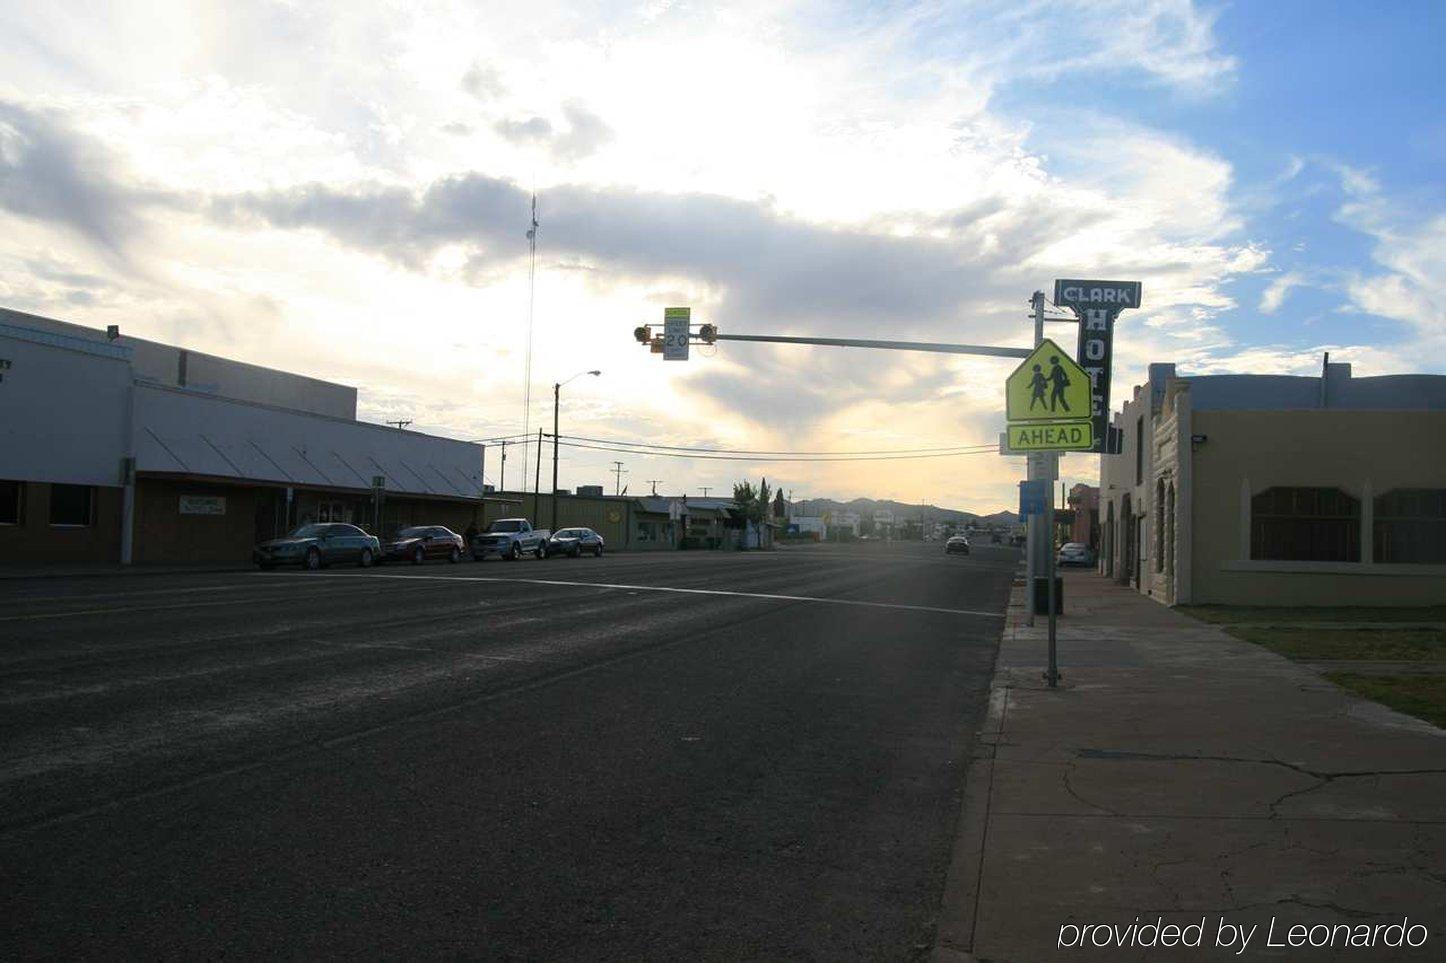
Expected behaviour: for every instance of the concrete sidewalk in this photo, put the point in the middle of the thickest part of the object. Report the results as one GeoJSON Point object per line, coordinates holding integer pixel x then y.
{"type": "Point", "coordinates": [1180, 773]}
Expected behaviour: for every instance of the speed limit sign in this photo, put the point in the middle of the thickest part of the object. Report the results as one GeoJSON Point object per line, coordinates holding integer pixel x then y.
{"type": "Point", "coordinates": [675, 333]}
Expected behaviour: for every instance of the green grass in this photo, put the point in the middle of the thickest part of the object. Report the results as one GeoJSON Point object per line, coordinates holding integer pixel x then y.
{"type": "Point", "coordinates": [1309, 643]}
{"type": "Point", "coordinates": [1285, 615]}
{"type": "Point", "coordinates": [1422, 696]}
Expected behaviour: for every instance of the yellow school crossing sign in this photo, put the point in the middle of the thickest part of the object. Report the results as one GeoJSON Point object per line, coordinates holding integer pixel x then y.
{"type": "Point", "coordinates": [1047, 402]}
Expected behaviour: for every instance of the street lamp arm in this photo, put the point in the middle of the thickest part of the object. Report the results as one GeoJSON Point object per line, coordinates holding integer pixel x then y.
{"type": "Point", "coordinates": [559, 384]}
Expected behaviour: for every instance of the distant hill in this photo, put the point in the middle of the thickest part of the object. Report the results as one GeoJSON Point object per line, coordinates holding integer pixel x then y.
{"type": "Point", "coordinates": [929, 514]}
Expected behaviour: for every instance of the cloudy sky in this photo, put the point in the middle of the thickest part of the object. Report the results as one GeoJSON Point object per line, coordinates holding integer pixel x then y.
{"type": "Point", "coordinates": [342, 190]}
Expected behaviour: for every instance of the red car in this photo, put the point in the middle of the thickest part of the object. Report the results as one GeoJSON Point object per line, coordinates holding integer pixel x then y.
{"type": "Point", "coordinates": [421, 542]}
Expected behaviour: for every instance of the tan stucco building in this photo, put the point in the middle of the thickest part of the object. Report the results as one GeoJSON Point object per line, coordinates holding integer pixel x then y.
{"type": "Point", "coordinates": [1279, 490]}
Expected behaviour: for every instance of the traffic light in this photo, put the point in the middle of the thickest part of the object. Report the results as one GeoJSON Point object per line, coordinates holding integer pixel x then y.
{"type": "Point", "coordinates": [643, 334]}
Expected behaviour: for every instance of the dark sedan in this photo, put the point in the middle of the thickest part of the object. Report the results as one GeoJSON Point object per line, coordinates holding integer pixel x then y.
{"type": "Point", "coordinates": [574, 542]}
{"type": "Point", "coordinates": [958, 545]}
{"type": "Point", "coordinates": [315, 545]}
{"type": "Point", "coordinates": [421, 542]}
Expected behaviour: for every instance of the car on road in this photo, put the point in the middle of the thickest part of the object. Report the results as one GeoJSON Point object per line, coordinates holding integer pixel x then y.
{"type": "Point", "coordinates": [957, 545]}
{"type": "Point", "coordinates": [1075, 553]}
{"type": "Point", "coordinates": [421, 542]}
{"type": "Point", "coordinates": [574, 542]}
{"type": "Point", "coordinates": [510, 538]}
{"type": "Point", "coordinates": [320, 543]}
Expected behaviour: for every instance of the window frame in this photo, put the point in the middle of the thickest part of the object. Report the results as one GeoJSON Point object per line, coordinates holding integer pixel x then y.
{"type": "Point", "coordinates": [1424, 526]}
{"type": "Point", "coordinates": [1277, 531]}
{"type": "Point", "coordinates": [19, 502]}
{"type": "Point", "coordinates": [90, 506]}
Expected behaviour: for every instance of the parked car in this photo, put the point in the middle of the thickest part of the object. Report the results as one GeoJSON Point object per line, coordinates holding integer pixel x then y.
{"type": "Point", "coordinates": [574, 542]}
{"type": "Point", "coordinates": [509, 538]}
{"type": "Point", "coordinates": [321, 543]}
{"type": "Point", "coordinates": [421, 542]}
{"type": "Point", "coordinates": [1075, 553]}
{"type": "Point", "coordinates": [957, 545]}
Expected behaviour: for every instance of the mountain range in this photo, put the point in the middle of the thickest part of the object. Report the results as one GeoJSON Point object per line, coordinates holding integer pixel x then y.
{"type": "Point", "coordinates": [928, 514]}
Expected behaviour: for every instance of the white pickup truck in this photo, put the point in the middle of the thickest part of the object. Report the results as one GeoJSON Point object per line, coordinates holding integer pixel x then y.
{"type": "Point", "coordinates": [510, 538]}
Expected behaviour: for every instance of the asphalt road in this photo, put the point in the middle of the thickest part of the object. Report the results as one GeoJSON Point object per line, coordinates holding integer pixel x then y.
{"type": "Point", "coordinates": [690, 755]}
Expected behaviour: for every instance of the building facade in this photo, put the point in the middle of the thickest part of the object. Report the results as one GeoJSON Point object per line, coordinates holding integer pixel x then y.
{"type": "Point", "coordinates": [1084, 502]}
{"type": "Point", "coordinates": [1279, 490]}
{"type": "Point", "coordinates": [115, 449]}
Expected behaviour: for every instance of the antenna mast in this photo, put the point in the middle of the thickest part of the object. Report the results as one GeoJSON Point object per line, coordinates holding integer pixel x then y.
{"type": "Point", "coordinates": [531, 304]}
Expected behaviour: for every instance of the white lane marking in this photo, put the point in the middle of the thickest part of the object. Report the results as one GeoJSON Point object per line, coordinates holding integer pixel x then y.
{"type": "Point", "coordinates": [646, 588]}
{"type": "Point", "coordinates": [128, 609]}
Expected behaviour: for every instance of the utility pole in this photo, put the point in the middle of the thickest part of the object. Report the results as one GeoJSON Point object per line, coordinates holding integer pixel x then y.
{"type": "Point", "coordinates": [502, 476]}
{"type": "Point", "coordinates": [654, 483]}
{"type": "Point", "coordinates": [556, 395]}
{"type": "Point", "coordinates": [619, 471]}
{"type": "Point", "coordinates": [400, 424]}
{"type": "Point", "coordinates": [536, 473]}
{"type": "Point", "coordinates": [704, 490]}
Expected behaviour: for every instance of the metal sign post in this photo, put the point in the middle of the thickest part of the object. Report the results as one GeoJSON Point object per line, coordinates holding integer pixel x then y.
{"type": "Point", "coordinates": [1051, 674]}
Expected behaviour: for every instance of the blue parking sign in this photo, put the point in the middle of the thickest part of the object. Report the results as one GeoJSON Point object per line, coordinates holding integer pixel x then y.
{"type": "Point", "coordinates": [1033, 497]}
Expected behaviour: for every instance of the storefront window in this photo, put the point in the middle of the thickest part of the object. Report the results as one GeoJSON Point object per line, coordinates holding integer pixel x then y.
{"type": "Point", "coordinates": [1410, 526]}
{"type": "Point", "coordinates": [71, 505]}
{"type": "Point", "coordinates": [1305, 525]}
{"type": "Point", "coordinates": [10, 494]}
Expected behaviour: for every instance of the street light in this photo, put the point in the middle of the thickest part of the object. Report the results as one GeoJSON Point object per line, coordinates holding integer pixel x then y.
{"type": "Point", "coordinates": [556, 395]}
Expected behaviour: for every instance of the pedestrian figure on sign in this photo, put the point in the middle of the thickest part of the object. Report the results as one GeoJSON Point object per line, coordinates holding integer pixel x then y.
{"type": "Point", "coordinates": [1037, 384]}
{"type": "Point", "coordinates": [1060, 381]}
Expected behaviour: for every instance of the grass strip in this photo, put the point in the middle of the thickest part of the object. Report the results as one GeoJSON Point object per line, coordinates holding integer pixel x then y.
{"type": "Point", "coordinates": [1319, 643]}
{"type": "Point", "coordinates": [1422, 696]}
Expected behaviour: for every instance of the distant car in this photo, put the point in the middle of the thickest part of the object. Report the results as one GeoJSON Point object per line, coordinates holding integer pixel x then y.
{"type": "Point", "coordinates": [318, 544]}
{"type": "Point", "coordinates": [1075, 553]}
{"type": "Point", "coordinates": [574, 542]}
{"type": "Point", "coordinates": [421, 542]}
{"type": "Point", "coordinates": [957, 545]}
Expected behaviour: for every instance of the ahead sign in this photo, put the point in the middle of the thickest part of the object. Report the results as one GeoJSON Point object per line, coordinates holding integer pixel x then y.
{"type": "Point", "coordinates": [1051, 435]}
{"type": "Point", "coordinates": [675, 333]}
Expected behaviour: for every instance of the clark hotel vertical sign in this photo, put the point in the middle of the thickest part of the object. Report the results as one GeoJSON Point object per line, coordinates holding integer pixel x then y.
{"type": "Point", "coordinates": [1097, 304]}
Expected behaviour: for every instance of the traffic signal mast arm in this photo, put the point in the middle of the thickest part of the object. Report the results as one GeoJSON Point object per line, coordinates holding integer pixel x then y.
{"type": "Point", "coordinates": [708, 334]}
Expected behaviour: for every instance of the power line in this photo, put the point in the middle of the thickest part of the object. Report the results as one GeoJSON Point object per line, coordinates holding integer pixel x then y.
{"type": "Point", "coordinates": [981, 450]}
{"type": "Point", "coordinates": [649, 446]}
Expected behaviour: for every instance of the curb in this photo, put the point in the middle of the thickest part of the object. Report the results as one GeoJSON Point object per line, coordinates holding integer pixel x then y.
{"type": "Point", "coordinates": [958, 910]}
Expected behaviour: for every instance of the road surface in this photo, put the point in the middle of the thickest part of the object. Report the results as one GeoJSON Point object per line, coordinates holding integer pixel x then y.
{"type": "Point", "coordinates": [669, 756]}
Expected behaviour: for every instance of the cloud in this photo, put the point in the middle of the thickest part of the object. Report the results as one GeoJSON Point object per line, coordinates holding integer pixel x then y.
{"type": "Point", "coordinates": [584, 134]}
{"type": "Point", "coordinates": [484, 82]}
{"type": "Point", "coordinates": [1274, 295]}
{"type": "Point", "coordinates": [1410, 248]}
{"type": "Point", "coordinates": [51, 174]}
{"type": "Point", "coordinates": [531, 130]}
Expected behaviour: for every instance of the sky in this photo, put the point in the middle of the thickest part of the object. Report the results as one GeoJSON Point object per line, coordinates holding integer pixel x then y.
{"type": "Point", "coordinates": [342, 190]}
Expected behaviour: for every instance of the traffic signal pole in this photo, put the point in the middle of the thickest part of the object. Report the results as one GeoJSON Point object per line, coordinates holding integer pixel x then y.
{"type": "Point", "coordinates": [1038, 538]}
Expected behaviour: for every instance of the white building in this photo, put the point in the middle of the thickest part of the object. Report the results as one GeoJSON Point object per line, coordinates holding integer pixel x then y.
{"type": "Point", "coordinates": [1279, 490]}
{"type": "Point", "coordinates": [120, 449]}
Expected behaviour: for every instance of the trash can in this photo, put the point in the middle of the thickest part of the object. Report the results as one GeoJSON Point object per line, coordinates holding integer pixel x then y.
{"type": "Point", "coordinates": [1041, 595]}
